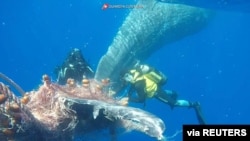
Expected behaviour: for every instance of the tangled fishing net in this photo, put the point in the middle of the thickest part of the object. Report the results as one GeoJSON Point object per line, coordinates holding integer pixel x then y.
{"type": "Point", "coordinates": [61, 112]}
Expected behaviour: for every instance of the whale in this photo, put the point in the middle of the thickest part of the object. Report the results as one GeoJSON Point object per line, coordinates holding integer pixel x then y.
{"type": "Point", "coordinates": [69, 112]}
{"type": "Point", "coordinates": [145, 30]}
{"type": "Point", "coordinates": [218, 5]}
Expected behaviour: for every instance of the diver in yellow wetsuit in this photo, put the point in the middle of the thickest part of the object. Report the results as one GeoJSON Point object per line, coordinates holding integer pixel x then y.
{"type": "Point", "coordinates": [147, 82]}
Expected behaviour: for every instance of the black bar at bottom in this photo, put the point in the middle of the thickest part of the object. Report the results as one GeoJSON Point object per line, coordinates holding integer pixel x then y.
{"type": "Point", "coordinates": [216, 132]}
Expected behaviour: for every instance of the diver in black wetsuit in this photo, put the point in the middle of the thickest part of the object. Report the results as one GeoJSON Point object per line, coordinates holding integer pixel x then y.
{"type": "Point", "coordinates": [75, 67]}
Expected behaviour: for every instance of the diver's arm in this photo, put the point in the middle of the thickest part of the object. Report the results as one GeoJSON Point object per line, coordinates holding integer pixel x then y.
{"type": "Point", "coordinates": [139, 88]}
{"type": "Point", "coordinates": [130, 91]}
{"type": "Point", "coordinates": [139, 99]}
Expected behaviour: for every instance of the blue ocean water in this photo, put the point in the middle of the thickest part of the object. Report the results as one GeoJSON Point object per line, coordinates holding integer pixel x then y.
{"type": "Point", "coordinates": [211, 66]}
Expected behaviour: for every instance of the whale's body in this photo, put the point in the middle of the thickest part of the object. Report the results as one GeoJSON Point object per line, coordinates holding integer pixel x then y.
{"type": "Point", "coordinates": [146, 30]}
{"type": "Point", "coordinates": [219, 5]}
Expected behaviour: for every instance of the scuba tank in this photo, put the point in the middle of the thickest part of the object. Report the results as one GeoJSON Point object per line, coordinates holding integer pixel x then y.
{"type": "Point", "coordinates": [153, 74]}
{"type": "Point", "coordinates": [157, 77]}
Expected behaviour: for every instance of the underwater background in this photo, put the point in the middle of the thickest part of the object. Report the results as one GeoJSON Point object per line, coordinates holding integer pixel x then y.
{"type": "Point", "coordinates": [211, 66]}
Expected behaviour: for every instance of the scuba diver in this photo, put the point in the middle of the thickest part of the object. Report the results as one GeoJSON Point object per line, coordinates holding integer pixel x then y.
{"type": "Point", "coordinates": [75, 67]}
{"type": "Point", "coordinates": [147, 82]}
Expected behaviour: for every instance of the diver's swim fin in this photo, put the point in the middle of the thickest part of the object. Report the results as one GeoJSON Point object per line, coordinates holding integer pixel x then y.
{"type": "Point", "coordinates": [199, 115]}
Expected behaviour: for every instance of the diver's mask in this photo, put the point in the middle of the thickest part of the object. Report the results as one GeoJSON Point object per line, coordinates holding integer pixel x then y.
{"type": "Point", "coordinates": [128, 77]}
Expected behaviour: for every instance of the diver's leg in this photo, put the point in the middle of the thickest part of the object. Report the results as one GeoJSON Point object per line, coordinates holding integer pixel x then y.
{"type": "Point", "coordinates": [182, 103]}
{"type": "Point", "coordinates": [167, 96]}
{"type": "Point", "coordinates": [195, 105]}
{"type": "Point", "coordinates": [170, 98]}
